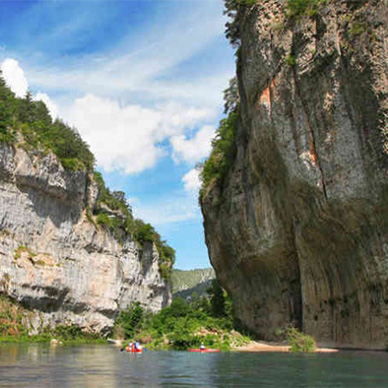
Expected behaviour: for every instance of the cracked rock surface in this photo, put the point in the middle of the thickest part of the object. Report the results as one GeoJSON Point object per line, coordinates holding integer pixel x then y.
{"type": "Point", "coordinates": [55, 261]}
{"type": "Point", "coordinates": [299, 231]}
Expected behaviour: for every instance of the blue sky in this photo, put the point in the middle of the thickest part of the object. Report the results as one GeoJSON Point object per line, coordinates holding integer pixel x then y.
{"type": "Point", "coordinates": [142, 81]}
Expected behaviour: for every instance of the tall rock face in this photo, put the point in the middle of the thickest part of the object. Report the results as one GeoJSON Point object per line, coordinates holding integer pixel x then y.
{"type": "Point", "coordinates": [55, 261]}
{"type": "Point", "coordinates": [298, 232]}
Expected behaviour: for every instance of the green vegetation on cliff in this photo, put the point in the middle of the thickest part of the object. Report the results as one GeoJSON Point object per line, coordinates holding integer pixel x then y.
{"type": "Point", "coordinates": [15, 320]}
{"type": "Point", "coordinates": [27, 123]}
{"type": "Point", "coordinates": [224, 149]}
{"type": "Point", "coordinates": [39, 132]}
{"type": "Point", "coordinates": [234, 9]}
{"type": "Point", "coordinates": [115, 214]}
{"type": "Point", "coordinates": [223, 153]}
{"type": "Point", "coordinates": [298, 8]}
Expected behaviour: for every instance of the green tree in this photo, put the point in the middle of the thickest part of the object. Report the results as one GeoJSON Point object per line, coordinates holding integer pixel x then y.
{"type": "Point", "coordinates": [233, 10]}
{"type": "Point", "coordinates": [217, 299]}
{"type": "Point", "coordinates": [131, 319]}
{"type": "Point", "coordinates": [231, 96]}
{"type": "Point", "coordinates": [7, 110]}
{"type": "Point", "coordinates": [223, 153]}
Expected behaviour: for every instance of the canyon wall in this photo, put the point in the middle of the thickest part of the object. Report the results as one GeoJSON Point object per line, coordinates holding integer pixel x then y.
{"type": "Point", "coordinates": [55, 260]}
{"type": "Point", "coordinates": [298, 231]}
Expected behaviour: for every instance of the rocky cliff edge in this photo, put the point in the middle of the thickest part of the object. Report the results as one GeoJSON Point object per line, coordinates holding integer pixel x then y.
{"type": "Point", "coordinates": [55, 260]}
{"type": "Point", "coordinates": [298, 231]}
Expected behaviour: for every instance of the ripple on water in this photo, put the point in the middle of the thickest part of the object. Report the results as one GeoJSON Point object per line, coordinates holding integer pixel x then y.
{"type": "Point", "coordinates": [105, 366]}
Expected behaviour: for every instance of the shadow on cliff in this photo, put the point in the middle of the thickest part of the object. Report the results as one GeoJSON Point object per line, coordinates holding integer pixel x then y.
{"type": "Point", "coordinates": [56, 209]}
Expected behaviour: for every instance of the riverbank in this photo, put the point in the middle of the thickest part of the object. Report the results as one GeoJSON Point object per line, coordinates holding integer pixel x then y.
{"type": "Point", "coordinates": [52, 340]}
{"type": "Point", "coordinates": [255, 346]}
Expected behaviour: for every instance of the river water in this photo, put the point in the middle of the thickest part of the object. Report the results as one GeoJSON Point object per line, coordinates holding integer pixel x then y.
{"type": "Point", "coordinates": [105, 366]}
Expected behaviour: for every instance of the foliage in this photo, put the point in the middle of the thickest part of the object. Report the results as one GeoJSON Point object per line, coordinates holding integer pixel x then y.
{"type": "Point", "coordinates": [20, 250]}
{"type": "Point", "coordinates": [231, 96]}
{"type": "Point", "coordinates": [180, 326]}
{"type": "Point", "coordinates": [291, 60]}
{"type": "Point", "coordinates": [130, 319]}
{"type": "Point", "coordinates": [357, 28]}
{"type": "Point", "coordinates": [28, 122]}
{"type": "Point", "coordinates": [233, 11]}
{"type": "Point", "coordinates": [114, 213]}
{"type": "Point", "coordinates": [14, 322]}
{"type": "Point", "coordinates": [12, 318]}
{"type": "Point", "coordinates": [299, 341]}
{"type": "Point", "coordinates": [223, 152]}
{"type": "Point", "coordinates": [145, 232]}
{"type": "Point", "coordinates": [298, 8]}
{"type": "Point", "coordinates": [32, 119]}
{"type": "Point", "coordinates": [217, 299]}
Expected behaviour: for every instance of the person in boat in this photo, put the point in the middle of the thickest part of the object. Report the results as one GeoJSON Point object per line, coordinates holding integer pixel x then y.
{"type": "Point", "coordinates": [129, 347]}
{"type": "Point", "coordinates": [138, 346]}
{"type": "Point", "coordinates": [202, 346]}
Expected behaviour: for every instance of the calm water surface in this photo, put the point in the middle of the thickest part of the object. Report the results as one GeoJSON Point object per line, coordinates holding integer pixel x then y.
{"type": "Point", "coordinates": [105, 366]}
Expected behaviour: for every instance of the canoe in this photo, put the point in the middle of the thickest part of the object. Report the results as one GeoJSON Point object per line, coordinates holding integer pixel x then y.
{"type": "Point", "coordinates": [129, 350]}
{"type": "Point", "coordinates": [204, 350]}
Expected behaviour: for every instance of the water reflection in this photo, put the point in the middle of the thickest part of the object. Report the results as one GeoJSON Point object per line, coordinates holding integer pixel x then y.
{"type": "Point", "coordinates": [105, 366]}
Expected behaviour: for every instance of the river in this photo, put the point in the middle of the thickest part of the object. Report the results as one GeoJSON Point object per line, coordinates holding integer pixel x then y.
{"type": "Point", "coordinates": [36, 365]}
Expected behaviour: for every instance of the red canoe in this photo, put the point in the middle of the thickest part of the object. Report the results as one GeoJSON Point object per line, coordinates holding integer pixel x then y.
{"type": "Point", "coordinates": [133, 350]}
{"type": "Point", "coordinates": [204, 350]}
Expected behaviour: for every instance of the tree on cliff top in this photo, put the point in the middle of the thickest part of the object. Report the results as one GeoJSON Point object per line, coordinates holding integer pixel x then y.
{"type": "Point", "coordinates": [39, 133]}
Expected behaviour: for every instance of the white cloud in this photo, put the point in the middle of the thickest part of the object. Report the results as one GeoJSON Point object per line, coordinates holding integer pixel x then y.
{"type": "Point", "coordinates": [191, 180]}
{"type": "Point", "coordinates": [51, 106]}
{"type": "Point", "coordinates": [175, 208]}
{"type": "Point", "coordinates": [127, 138]}
{"type": "Point", "coordinates": [14, 76]}
{"type": "Point", "coordinates": [146, 62]}
{"type": "Point", "coordinates": [194, 149]}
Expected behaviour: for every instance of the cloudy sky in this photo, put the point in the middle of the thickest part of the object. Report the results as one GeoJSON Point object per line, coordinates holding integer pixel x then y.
{"type": "Point", "coordinates": [142, 80]}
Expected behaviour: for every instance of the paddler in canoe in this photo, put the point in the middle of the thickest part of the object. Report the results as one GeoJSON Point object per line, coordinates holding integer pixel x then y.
{"type": "Point", "coordinates": [203, 349]}
{"type": "Point", "coordinates": [133, 347]}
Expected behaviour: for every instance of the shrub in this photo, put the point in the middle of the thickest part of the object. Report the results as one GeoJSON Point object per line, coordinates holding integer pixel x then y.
{"type": "Point", "coordinates": [130, 320]}
{"type": "Point", "coordinates": [223, 152]}
{"type": "Point", "coordinates": [300, 342]}
{"type": "Point", "coordinates": [180, 326]}
{"type": "Point", "coordinates": [291, 60]}
{"type": "Point", "coordinates": [299, 8]}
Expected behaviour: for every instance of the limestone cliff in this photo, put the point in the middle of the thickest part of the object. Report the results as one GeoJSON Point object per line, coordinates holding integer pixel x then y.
{"type": "Point", "coordinates": [298, 231]}
{"type": "Point", "coordinates": [55, 260]}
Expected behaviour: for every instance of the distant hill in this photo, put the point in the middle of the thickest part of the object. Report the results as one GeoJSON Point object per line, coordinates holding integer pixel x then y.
{"type": "Point", "coordinates": [185, 283]}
